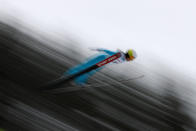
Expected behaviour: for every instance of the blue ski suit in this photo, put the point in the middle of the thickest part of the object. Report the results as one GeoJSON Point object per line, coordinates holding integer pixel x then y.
{"type": "Point", "coordinates": [82, 79]}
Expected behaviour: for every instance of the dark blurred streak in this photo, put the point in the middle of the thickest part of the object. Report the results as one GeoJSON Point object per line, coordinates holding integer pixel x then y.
{"type": "Point", "coordinates": [28, 62]}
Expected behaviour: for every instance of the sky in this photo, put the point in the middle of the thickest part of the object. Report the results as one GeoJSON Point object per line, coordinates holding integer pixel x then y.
{"type": "Point", "coordinates": [157, 30]}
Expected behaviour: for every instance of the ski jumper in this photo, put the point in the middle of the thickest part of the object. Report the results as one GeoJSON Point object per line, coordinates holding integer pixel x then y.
{"type": "Point", "coordinates": [82, 79]}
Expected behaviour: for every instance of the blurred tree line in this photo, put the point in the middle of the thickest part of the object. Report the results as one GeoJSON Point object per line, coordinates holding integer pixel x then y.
{"type": "Point", "coordinates": [28, 62]}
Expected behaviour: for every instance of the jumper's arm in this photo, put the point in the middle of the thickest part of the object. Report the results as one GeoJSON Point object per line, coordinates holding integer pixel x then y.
{"type": "Point", "coordinates": [104, 50]}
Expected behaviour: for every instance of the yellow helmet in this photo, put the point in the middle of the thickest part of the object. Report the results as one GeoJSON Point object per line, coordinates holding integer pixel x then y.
{"type": "Point", "coordinates": [131, 54]}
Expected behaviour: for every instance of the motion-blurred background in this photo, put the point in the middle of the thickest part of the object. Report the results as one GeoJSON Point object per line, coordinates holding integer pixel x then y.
{"type": "Point", "coordinates": [40, 40]}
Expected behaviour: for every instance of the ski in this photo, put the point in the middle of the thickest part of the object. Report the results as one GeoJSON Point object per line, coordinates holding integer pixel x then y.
{"type": "Point", "coordinates": [58, 82]}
